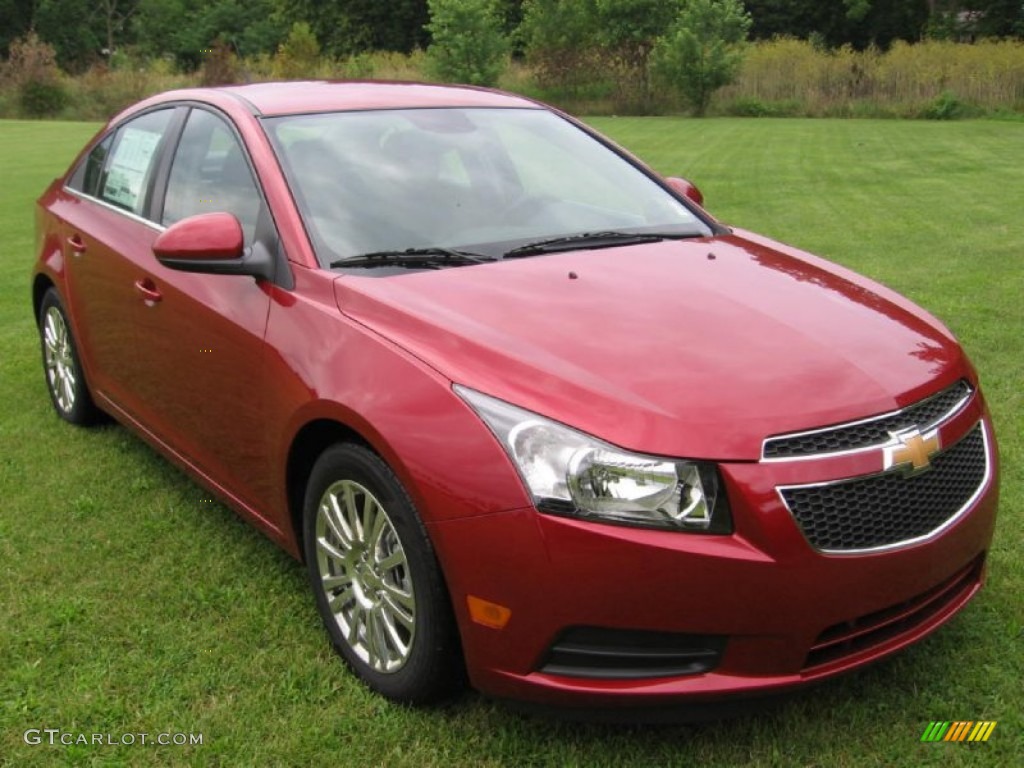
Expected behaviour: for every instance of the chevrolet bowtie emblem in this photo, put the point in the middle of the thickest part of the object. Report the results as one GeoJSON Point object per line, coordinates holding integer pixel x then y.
{"type": "Point", "coordinates": [913, 451]}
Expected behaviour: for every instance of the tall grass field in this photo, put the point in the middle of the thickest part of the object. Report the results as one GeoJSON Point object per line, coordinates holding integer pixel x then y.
{"type": "Point", "coordinates": [131, 603]}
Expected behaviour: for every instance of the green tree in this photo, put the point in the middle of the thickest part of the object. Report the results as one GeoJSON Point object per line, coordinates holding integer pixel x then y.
{"type": "Point", "coordinates": [859, 23]}
{"type": "Point", "coordinates": [69, 26]}
{"type": "Point", "coordinates": [558, 40]}
{"type": "Point", "coordinates": [467, 42]}
{"type": "Point", "coordinates": [15, 21]}
{"type": "Point", "coordinates": [627, 30]}
{"type": "Point", "coordinates": [299, 54]}
{"type": "Point", "coordinates": [187, 29]}
{"type": "Point", "coordinates": [703, 49]}
{"type": "Point", "coordinates": [354, 26]}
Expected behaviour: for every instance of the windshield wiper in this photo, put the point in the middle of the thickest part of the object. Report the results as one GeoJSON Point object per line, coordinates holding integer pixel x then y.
{"type": "Point", "coordinates": [590, 240]}
{"type": "Point", "coordinates": [413, 257]}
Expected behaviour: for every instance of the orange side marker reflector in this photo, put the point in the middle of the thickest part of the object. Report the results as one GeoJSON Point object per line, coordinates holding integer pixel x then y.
{"type": "Point", "coordinates": [487, 613]}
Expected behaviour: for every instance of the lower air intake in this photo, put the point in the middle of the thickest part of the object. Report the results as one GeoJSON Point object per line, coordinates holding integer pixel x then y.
{"type": "Point", "coordinates": [617, 654]}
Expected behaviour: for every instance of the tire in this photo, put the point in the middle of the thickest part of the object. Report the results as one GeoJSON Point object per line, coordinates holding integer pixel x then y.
{"type": "Point", "coordinates": [375, 578]}
{"type": "Point", "coordinates": [65, 380]}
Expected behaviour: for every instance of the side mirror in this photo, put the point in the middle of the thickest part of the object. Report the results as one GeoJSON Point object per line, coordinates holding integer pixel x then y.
{"type": "Point", "coordinates": [211, 243]}
{"type": "Point", "coordinates": [686, 189]}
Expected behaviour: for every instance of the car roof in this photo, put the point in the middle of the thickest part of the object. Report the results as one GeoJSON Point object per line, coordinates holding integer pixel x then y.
{"type": "Point", "coordinates": [296, 97]}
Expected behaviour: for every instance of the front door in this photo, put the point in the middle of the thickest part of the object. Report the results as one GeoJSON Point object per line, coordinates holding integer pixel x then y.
{"type": "Point", "coordinates": [201, 344]}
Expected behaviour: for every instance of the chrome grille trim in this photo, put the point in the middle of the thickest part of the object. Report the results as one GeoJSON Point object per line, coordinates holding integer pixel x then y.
{"type": "Point", "coordinates": [950, 521]}
{"type": "Point", "coordinates": [769, 444]}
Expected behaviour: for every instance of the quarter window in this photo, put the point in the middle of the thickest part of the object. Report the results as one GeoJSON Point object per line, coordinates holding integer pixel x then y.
{"type": "Point", "coordinates": [87, 175]}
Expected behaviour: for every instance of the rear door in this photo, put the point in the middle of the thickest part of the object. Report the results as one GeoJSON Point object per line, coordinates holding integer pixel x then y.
{"type": "Point", "coordinates": [106, 235]}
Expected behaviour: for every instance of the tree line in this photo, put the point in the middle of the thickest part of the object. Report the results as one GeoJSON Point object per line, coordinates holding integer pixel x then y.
{"type": "Point", "coordinates": [85, 32]}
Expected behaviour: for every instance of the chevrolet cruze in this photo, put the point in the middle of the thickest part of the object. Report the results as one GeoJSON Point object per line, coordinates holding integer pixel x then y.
{"type": "Point", "coordinates": [526, 411]}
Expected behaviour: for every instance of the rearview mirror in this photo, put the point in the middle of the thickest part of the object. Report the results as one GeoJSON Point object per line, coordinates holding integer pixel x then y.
{"type": "Point", "coordinates": [686, 189]}
{"type": "Point", "coordinates": [211, 243]}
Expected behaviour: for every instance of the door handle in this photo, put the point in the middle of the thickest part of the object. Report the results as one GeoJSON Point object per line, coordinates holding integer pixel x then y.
{"type": "Point", "coordinates": [77, 244]}
{"type": "Point", "coordinates": [150, 294]}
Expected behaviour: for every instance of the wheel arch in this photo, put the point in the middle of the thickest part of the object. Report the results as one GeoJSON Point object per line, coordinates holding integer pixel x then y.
{"type": "Point", "coordinates": [41, 283]}
{"type": "Point", "coordinates": [312, 439]}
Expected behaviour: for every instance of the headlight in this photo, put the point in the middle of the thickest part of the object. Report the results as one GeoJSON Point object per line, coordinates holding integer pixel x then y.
{"type": "Point", "coordinates": [571, 473]}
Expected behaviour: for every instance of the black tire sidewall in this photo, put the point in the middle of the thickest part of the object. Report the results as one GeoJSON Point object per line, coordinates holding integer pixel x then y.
{"type": "Point", "coordinates": [84, 411]}
{"type": "Point", "coordinates": [430, 671]}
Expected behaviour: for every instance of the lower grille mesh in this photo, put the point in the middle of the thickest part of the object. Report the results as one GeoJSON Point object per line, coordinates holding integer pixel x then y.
{"type": "Point", "coordinates": [887, 509]}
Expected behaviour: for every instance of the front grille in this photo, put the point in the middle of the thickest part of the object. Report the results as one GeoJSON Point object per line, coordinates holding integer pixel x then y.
{"type": "Point", "coordinates": [864, 632]}
{"type": "Point", "coordinates": [622, 654]}
{"type": "Point", "coordinates": [891, 508]}
{"type": "Point", "coordinates": [870, 432]}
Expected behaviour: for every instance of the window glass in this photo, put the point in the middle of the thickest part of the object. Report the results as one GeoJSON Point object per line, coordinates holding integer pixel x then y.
{"type": "Point", "coordinates": [485, 180]}
{"type": "Point", "coordinates": [86, 176]}
{"type": "Point", "coordinates": [125, 179]}
{"type": "Point", "coordinates": [210, 173]}
{"type": "Point", "coordinates": [94, 166]}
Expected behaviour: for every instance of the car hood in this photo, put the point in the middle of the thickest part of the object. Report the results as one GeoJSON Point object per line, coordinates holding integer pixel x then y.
{"type": "Point", "coordinates": [690, 348]}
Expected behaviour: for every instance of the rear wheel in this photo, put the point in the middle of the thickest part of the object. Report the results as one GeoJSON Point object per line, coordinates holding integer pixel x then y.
{"type": "Point", "coordinates": [65, 380]}
{"type": "Point", "coordinates": [375, 578]}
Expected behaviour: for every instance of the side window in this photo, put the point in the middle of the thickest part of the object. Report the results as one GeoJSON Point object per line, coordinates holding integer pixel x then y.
{"type": "Point", "coordinates": [210, 173]}
{"type": "Point", "coordinates": [86, 178]}
{"type": "Point", "coordinates": [124, 180]}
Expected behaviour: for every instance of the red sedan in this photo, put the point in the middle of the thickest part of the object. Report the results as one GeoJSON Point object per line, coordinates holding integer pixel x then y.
{"type": "Point", "coordinates": [522, 406]}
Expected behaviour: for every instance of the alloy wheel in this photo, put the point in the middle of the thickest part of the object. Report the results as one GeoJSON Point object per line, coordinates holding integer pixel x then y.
{"type": "Point", "coordinates": [365, 576]}
{"type": "Point", "coordinates": [59, 360]}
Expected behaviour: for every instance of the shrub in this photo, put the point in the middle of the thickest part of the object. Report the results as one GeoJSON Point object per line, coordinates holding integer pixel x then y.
{"type": "Point", "coordinates": [557, 37]}
{"type": "Point", "coordinates": [299, 54]}
{"type": "Point", "coordinates": [32, 71]}
{"type": "Point", "coordinates": [946, 106]}
{"type": "Point", "coordinates": [627, 31]}
{"type": "Point", "coordinates": [468, 45]}
{"type": "Point", "coordinates": [220, 65]}
{"type": "Point", "coordinates": [752, 107]}
{"type": "Point", "coordinates": [703, 50]}
{"type": "Point", "coordinates": [40, 99]}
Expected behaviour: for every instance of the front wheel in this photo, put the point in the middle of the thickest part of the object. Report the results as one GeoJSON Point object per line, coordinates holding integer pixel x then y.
{"type": "Point", "coordinates": [375, 578]}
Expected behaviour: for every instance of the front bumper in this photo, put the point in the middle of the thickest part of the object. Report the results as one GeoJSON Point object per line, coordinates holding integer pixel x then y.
{"type": "Point", "coordinates": [787, 615]}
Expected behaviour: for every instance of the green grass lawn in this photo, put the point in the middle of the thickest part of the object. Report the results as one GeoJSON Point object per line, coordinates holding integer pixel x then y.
{"type": "Point", "coordinates": [130, 603]}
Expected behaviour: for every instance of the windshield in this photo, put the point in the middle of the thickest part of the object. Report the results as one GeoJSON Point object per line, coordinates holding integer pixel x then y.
{"type": "Point", "coordinates": [481, 180]}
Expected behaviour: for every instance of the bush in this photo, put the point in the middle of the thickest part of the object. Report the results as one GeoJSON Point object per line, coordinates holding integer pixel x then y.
{"type": "Point", "coordinates": [752, 107]}
{"type": "Point", "coordinates": [41, 99]}
{"type": "Point", "coordinates": [220, 65]}
{"type": "Point", "coordinates": [947, 107]}
{"type": "Point", "coordinates": [299, 54]}
{"type": "Point", "coordinates": [703, 50]}
{"type": "Point", "coordinates": [468, 45]}
{"type": "Point", "coordinates": [558, 40]}
{"type": "Point", "coordinates": [32, 71]}
{"type": "Point", "coordinates": [101, 92]}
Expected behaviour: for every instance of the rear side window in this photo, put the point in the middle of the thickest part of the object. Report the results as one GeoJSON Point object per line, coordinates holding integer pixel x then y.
{"type": "Point", "coordinates": [126, 176]}
{"type": "Point", "coordinates": [120, 168]}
